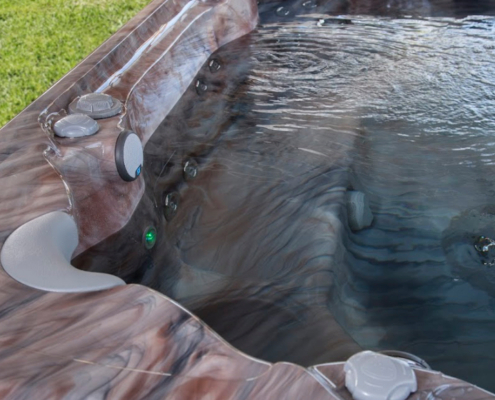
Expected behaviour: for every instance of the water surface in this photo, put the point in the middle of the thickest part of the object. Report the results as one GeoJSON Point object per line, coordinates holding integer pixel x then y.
{"type": "Point", "coordinates": [311, 105]}
{"type": "Point", "coordinates": [401, 109]}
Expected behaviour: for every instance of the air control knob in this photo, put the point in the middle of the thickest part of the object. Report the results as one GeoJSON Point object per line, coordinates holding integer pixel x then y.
{"type": "Point", "coordinates": [96, 105]}
{"type": "Point", "coordinates": [75, 126]}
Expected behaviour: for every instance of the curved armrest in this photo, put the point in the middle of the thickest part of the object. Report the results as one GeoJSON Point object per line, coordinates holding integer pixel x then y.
{"type": "Point", "coordinates": [38, 255]}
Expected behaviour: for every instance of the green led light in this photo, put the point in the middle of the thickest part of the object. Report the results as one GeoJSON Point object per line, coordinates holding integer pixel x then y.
{"type": "Point", "coordinates": [149, 237]}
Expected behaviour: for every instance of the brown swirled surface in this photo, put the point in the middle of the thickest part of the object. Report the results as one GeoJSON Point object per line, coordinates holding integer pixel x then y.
{"type": "Point", "coordinates": [256, 248]}
{"type": "Point", "coordinates": [302, 110]}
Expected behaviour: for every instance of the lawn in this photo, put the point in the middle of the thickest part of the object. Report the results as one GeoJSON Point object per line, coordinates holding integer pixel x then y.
{"type": "Point", "coordinates": [41, 40]}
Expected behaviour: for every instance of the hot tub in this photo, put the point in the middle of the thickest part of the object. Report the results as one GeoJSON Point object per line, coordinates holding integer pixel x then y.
{"type": "Point", "coordinates": [229, 201]}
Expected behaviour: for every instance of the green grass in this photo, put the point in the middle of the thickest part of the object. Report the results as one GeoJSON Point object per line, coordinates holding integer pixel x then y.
{"type": "Point", "coordinates": [41, 40]}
